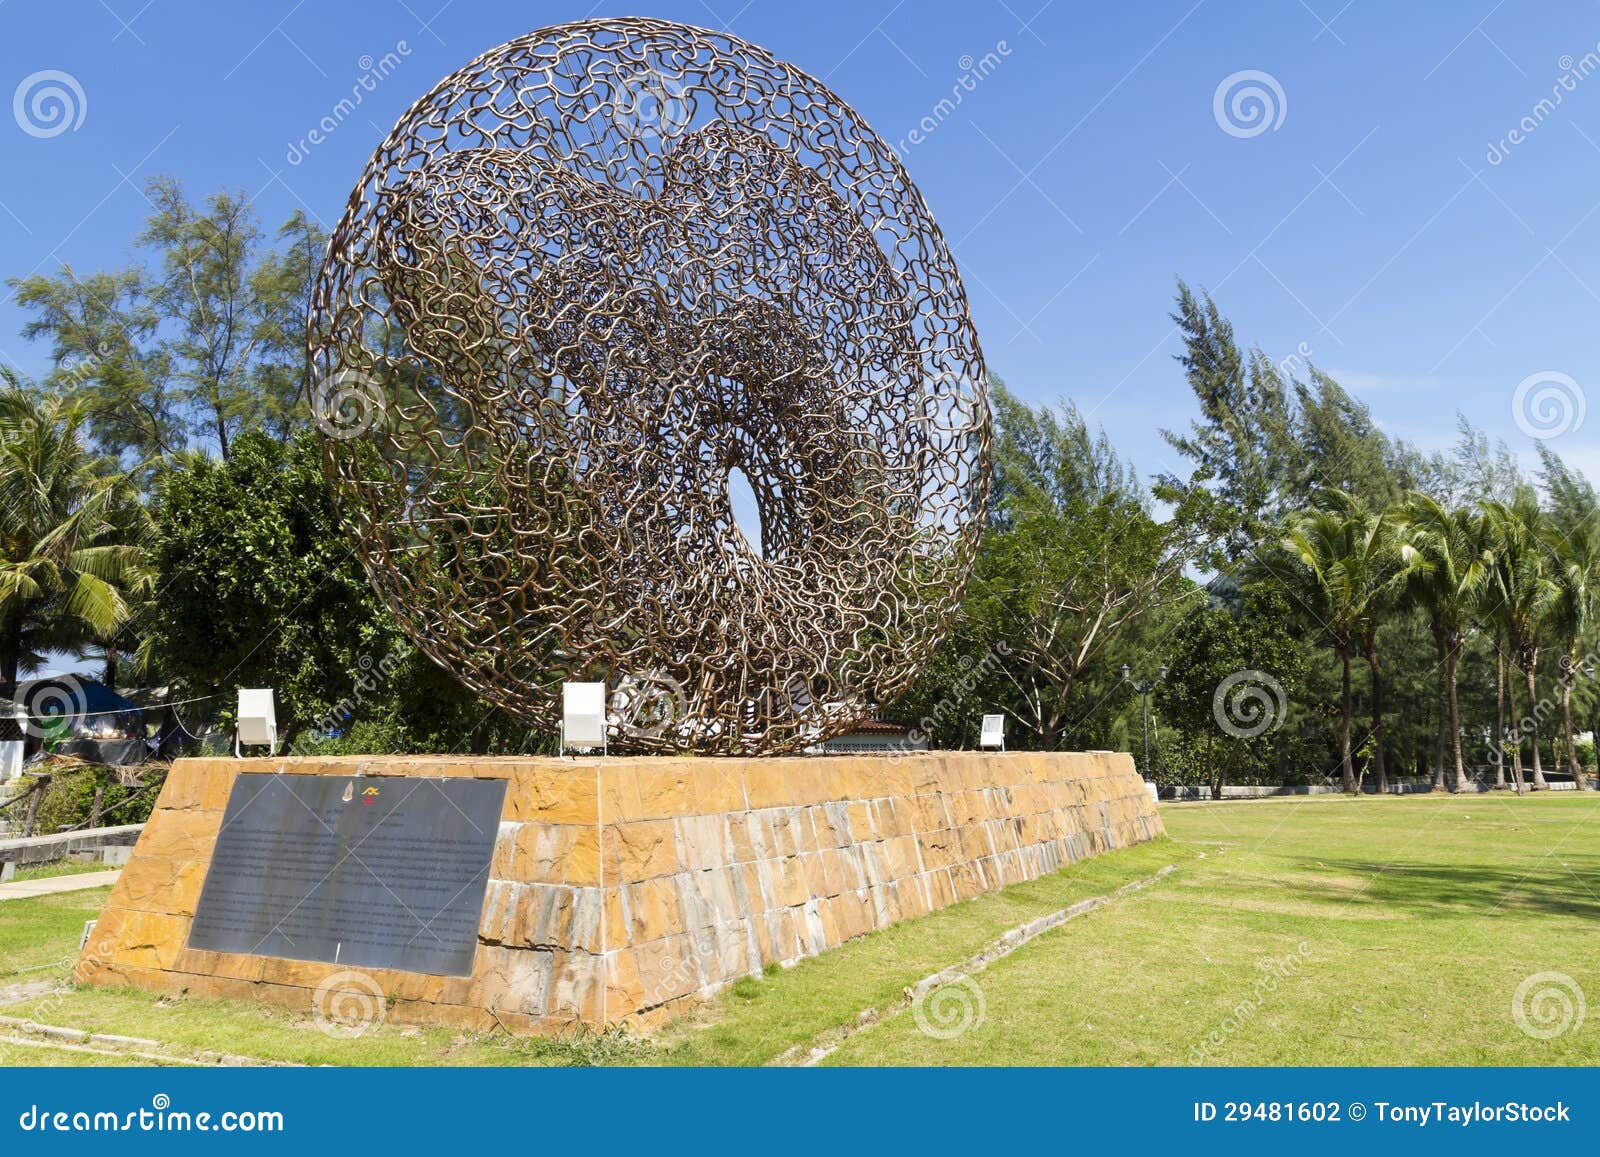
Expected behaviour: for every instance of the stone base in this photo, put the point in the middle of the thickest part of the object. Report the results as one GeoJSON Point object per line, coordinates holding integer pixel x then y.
{"type": "Point", "coordinates": [623, 889]}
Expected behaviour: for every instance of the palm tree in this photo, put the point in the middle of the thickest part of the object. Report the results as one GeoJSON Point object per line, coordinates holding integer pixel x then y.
{"type": "Point", "coordinates": [1575, 550]}
{"type": "Point", "coordinates": [1524, 593]}
{"type": "Point", "coordinates": [1499, 704]}
{"type": "Point", "coordinates": [1336, 563]}
{"type": "Point", "coordinates": [68, 531]}
{"type": "Point", "coordinates": [1446, 567]}
{"type": "Point", "coordinates": [1375, 573]}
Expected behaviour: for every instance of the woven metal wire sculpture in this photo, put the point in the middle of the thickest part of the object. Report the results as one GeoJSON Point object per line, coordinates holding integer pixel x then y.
{"type": "Point", "coordinates": [587, 284]}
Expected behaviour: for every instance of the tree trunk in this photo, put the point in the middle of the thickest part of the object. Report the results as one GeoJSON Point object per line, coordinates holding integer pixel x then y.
{"type": "Point", "coordinates": [1516, 733]}
{"type": "Point", "coordinates": [1451, 659]}
{"type": "Point", "coordinates": [1377, 721]}
{"type": "Point", "coordinates": [1440, 712]}
{"type": "Point", "coordinates": [1499, 714]}
{"type": "Point", "coordinates": [1517, 727]}
{"type": "Point", "coordinates": [41, 785]}
{"type": "Point", "coordinates": [1531, 671]}
{"type": "Point", "coordinates": [1594, 733]}
{"type": "Point", "coordinates": [1347, 771]}
{"type": "Point", "coordinates": [10, 652]}
{"type": "Point", "coordinates": [1594, 744]}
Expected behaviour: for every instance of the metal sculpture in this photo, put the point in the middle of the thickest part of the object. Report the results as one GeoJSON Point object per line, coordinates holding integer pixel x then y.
{"type": "Point", "coordinates": [587, 284]}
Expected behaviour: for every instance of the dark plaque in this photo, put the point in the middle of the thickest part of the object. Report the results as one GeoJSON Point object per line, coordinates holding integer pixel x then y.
{"type": "Point", "coordinates": [371, 871]}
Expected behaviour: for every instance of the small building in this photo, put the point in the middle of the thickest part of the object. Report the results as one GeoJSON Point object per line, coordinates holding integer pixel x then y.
{"type": "Point", "coordinates": [875, 737]}
{"type": "Point", "coordinates": [74, 715]}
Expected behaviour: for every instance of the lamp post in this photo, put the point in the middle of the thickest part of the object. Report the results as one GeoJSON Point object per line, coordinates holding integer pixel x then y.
{"type": "Point", "coordinates": [1144, 687]}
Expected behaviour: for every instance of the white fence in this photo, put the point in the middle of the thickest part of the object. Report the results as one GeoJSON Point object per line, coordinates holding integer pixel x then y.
{"type": "Point", "coordinates": [1406, 786]}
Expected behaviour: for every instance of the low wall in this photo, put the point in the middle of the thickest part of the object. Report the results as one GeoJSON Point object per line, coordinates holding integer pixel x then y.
{"type": "Point", "coordinates": [1188, 793]}
{"type": "Point", "coordinates": [623, 889]}
{"type": "Point", "coordinates": [44, 849]}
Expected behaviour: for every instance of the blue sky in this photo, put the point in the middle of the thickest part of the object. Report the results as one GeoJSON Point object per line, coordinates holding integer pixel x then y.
{"type": "Point", "coordinates": [1365, 224]}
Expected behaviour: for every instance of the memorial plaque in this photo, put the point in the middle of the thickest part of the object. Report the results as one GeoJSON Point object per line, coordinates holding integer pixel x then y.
{"type": "Point", "coordinates": [369, 871]}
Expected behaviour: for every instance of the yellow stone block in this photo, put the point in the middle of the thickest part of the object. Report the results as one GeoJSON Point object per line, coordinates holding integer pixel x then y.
{"type": "Point", "coordinates": [618, 788]}
{"type": "Point", "coordinates": [718, 788]}
{"type": "Point", "coordinates": [639, 850]}
{"type": "Point", "coordinates": [626, 888]}
{"type": "Point", "coordinates": [153, 883]}
{"type": "Point", "coordinates": [194, 788]}
{"type": "Point", "coordinates": [666, 792]}
{"type": "Point", "coordinates": [928, 813]}
{"type": "Point", "coordinates": [652, 908]}
{"type": "Point", "coordinates": [180, 835]}
{"type": "Point", "coordinates": [563, 798]}
{"type": "Point", "coordinates": [147, 939]}
{"type": "Point", "coordinates": [765, 786]}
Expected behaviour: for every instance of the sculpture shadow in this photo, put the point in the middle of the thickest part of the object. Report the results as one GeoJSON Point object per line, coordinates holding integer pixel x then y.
{"type": "Point", "coordinates": [1564, 884]}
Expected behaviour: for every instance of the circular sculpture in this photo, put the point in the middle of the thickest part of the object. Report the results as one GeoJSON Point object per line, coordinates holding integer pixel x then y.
{"type": "Point", "coordinates": [588, 286]}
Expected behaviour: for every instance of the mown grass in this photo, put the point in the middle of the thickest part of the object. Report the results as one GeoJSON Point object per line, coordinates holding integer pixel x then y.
{"type": "Point", "coordinates": [759, 1022]}
{"type": "Point", "coordinates": [754, 1021]}
{"type": "Point", "coordinates": [1360, 932]}
{"type": "Point", "coordinates": [59, 868]}
{"type": "Point", "coordinates": [12, 1055]}
{"type": "Point", "coordinates": [1327, 931]}
{"type": "Point", "coordinates": [39, 936]}
{"type": "Point", "coordinates": [267, 1032]}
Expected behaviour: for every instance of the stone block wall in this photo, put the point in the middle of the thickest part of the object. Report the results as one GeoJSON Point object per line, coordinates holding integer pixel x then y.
{"type": "Point", "coordinates": [624, 889]}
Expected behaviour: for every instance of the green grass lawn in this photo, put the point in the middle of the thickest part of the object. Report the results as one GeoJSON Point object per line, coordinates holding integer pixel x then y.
{"type": "Point", "coordinates": [60, 868]}
{"type": "Point", "coordinates": [39, 936]}
{"type": "Point", "coordinates": [1323, 931]}
{"type": "Point", "coordinates": [1382, 931]}
{"type": "Point", "coordinates": [11, 1055]}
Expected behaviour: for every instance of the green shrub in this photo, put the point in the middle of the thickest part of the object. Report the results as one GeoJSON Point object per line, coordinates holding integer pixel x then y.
{"type": "Point", "coordinates": [257, 587]}
{"type": "Point", "coordinates": [365, 737]}
{"type": "Point", "coordinates": [69, 799]}
{"type": "Point", "coordinates": [1585, 752]}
